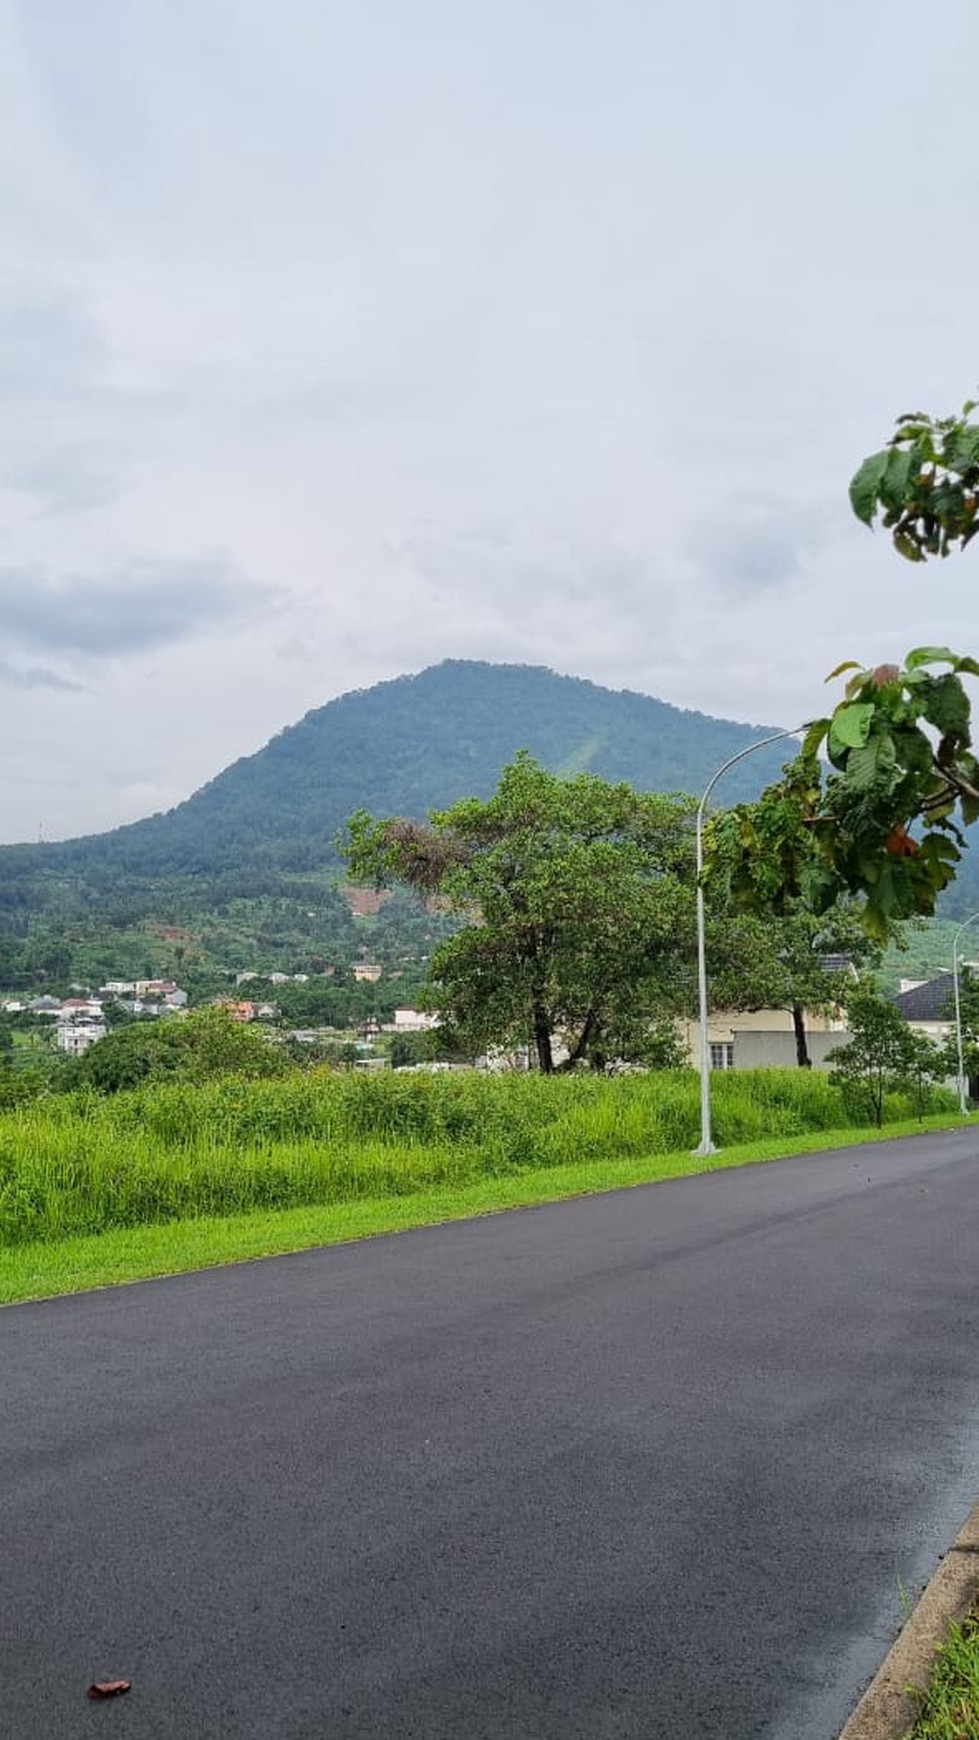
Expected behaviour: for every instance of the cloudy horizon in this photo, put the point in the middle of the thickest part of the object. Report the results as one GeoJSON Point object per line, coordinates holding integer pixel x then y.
{"type": "Point", "coordinates": [336, 342]}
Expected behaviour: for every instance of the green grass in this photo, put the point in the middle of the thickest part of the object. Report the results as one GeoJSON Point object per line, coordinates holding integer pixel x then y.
{"type": "Point", "coordinates": [41, 1268]}
{"type": "Point", "coordinates": [86, 1163]}
{"type": "Point", "coordinates": [950, 1709]}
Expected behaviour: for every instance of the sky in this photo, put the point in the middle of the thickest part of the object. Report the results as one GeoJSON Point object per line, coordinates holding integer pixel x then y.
{"type": "Point", "coordinates": [338, 340]}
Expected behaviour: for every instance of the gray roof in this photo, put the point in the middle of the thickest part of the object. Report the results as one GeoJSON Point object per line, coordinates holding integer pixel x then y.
{"type": "Point", "coordinates": [836, 963]}
{"type": "Point", "coordinates": [930, 1002]}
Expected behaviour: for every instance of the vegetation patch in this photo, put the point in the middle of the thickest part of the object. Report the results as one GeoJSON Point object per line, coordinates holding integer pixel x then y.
{"type": "Point", "coordinates": [950, 1708]}
{"type": "Point", "coordinates": [173, 1177]}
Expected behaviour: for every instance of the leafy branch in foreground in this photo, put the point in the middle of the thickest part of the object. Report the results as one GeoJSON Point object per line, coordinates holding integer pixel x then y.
{"type": "Point", "coordinates": [924, 484]}
{"type": "Point", "coordinates": [882, 820]}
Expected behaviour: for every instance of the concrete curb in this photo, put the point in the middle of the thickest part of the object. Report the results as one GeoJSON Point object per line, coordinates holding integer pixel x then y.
{"type": "Point", "coordinates": [887, 1711]}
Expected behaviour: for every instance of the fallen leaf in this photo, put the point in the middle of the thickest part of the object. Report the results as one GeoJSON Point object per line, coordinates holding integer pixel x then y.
{"type": "Point", "coordinates": [109, 1688]}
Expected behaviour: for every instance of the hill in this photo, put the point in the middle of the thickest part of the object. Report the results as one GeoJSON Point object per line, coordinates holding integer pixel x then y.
{"type": "Point", "coordinates": [404, 747]}
{"type": "Point", "coordinates": [248, 864]}
{"type": "Point", "coordinates": [243, 874]}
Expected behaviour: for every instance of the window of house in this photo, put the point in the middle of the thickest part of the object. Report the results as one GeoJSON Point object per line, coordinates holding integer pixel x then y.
{"type": "Point", "coordinates": [722, 1054]}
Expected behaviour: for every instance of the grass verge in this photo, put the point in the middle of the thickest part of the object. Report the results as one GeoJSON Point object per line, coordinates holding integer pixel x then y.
{"type": "Point", "coordinates": [950, 1708]}
{"type": "Point", "coordinates": [40, 1269]}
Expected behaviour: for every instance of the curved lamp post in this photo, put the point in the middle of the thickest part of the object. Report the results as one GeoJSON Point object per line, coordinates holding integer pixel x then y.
{"type": "Point", "coordinates": [963, 1097]}
{"type": "Point", "coordinates": [707, 1144]}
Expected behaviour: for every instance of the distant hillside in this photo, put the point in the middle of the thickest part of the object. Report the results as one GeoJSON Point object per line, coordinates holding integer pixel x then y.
{"type": "Point", "coordinates": [246, 868]}
{"type": "Point", "coordinates": [404, 747]}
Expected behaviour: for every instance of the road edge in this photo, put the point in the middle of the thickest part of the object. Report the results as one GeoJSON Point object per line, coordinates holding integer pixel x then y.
{"type": "Point", "coordinates": [887, 1710]}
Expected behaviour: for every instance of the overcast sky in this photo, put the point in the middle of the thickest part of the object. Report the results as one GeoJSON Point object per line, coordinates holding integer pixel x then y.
{"type": "Point", "coordinates": [336, 340]}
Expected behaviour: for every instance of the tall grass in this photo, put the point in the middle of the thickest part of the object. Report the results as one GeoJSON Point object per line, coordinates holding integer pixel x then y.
{"type": "Point", "coordinates": [82, 1163]}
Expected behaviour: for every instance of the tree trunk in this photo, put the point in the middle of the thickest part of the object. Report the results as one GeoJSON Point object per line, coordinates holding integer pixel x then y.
{"type": "Point", "coordinates": [802, 1057]}
{"type": "Point", "coordinates": [542, 1041]}
{"type": "Point", "coordinates": [579, 1051]}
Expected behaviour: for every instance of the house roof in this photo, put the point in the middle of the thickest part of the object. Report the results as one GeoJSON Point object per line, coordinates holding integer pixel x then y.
{"type": "Point", "coordinates": [929, 1002]}
{"type": "Point", "coordinates": [836, 963]}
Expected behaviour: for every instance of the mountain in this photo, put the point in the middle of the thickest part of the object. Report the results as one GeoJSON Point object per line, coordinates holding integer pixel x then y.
{"type": "Point", "coordinates": [243, 874]}
{"type": "Point", "coordinates": [404, 747]}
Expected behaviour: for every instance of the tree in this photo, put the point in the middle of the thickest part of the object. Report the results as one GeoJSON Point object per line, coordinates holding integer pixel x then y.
{"type": "Point", "coordinates": [208, 1043]}
{"type": "Point", "coordinates": [969, 1016]}
{"type": "Point", "coordinates": [882, 817]}
{"type": "Point", "coordinates": [886, 821]}
{"type": "Point", "coordinates": [801, 961]}
{"type": "Point", "coordinates": [924, 484]}
{"type": "Point", "coordinates": [882, 1054]}
{"type": "Point", "coordinates": [577, 901]}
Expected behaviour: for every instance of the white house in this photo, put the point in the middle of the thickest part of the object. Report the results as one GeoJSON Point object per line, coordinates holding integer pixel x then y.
{"type": "Point", "coordinates": [411, 1021]}
{"type": "Point", "coordinates": [75, 1037]}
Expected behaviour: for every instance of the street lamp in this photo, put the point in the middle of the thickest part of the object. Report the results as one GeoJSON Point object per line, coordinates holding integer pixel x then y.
{"type": "Point", "coordinates": [707, 1144]}
{"type": "Point", "coordinates": [963, 1098]}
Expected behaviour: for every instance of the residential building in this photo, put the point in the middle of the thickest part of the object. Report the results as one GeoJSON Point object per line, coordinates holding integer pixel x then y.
{"type": "Point", "coordinates": [928, 1005]}
{"type": "Point", "coordinates": [80, 1008]}
{"type": "Point", "coordinates": [411, 1021]}
{"type": "Point", "coordinates": [367, 972]}
{"type": "Point", "coordinates": [75, 1037]}
{"type": "Point", "coordinates": [762, 1038]}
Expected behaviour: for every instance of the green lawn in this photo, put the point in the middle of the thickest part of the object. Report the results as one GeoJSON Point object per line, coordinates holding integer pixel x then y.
{"type": "Point", "coordinates": [950, 1709]}
{"type": "Point", "coordinates": [39, 1268]}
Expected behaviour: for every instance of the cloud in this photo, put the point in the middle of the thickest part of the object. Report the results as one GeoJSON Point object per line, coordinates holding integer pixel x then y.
{"type": "Point", "coordinates": [49, 342]}
{"type": "Point", "coordinates": [36, 677]}
{"type": "Point", "coordinates": [759, 542]}
{"type": "Point", "coordinates": [146, 605]}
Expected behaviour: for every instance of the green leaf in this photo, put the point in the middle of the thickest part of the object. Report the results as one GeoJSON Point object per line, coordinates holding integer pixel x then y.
{"type": "Point", "coordinates": [945, 705]}
{"type": "Point", "coordinates": [847, 665]}
{"type": "Point", "coordinates": [865, 486]}
{"type": "Point", "coordinates": [850, 725]}
{"type": "Point", "coordinates": [965, 448]}
{"type": "Point", "coordinates": [901, 464]}
{"type": "Point", "coordinates": [906, 545]}
{"type": "Point", "coordinates": [872, 763]}
{"type": "Point", "coordinates": [931, 655]}
{"type": "Point", "coordinates": [813, 739]}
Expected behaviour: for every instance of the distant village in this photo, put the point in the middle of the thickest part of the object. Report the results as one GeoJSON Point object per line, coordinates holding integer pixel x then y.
{"type": "Point", "coordinates": [742, 1040]}
{"type": "Point", "coordinates": [78, 1021]}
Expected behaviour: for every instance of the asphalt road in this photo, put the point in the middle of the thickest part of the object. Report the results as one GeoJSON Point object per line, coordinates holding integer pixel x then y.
{"type": "Point", "coordinates": [656, 1464]}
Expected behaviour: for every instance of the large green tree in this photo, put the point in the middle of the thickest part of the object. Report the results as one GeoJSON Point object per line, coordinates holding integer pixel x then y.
{"type": "Point", "coordinates": [579, 901]}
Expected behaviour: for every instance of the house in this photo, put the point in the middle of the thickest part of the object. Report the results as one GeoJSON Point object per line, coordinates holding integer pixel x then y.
{"type": "Point", "coordinates": [411, 1021]}
{"type": "Point", "coordinates": [762, 1038]}
{"type": "Point", "coordinates": [75, 1037]}
{"type": "Point", "coordinates": [366, 972]}
{"type": "Point", "coordinates": [928, 1005]}
{"type": "Point", "coordinates": [80, 1009]}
